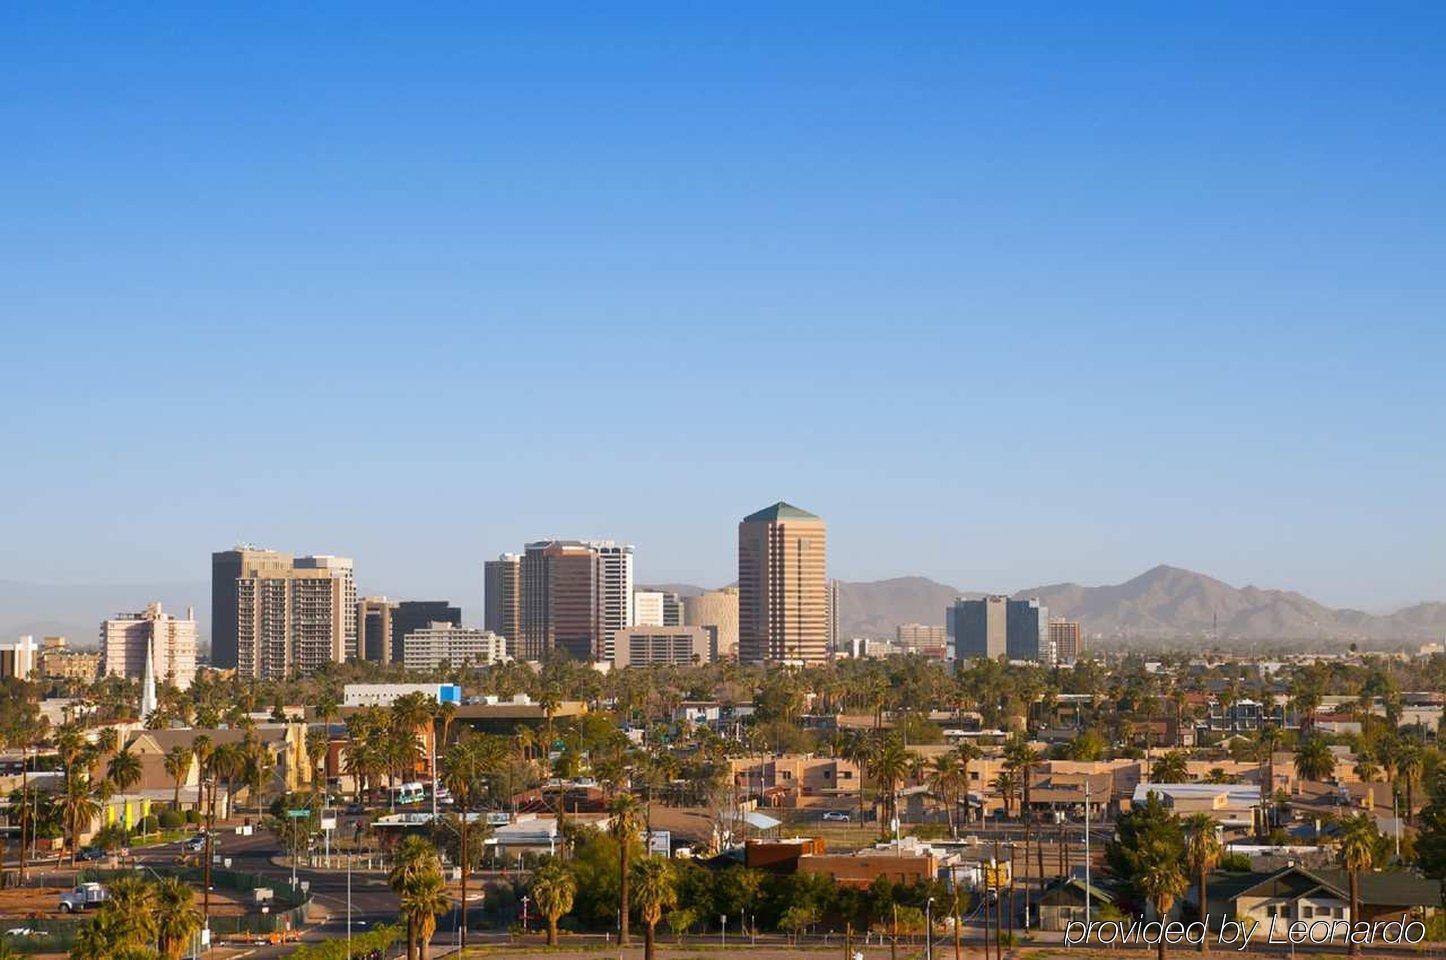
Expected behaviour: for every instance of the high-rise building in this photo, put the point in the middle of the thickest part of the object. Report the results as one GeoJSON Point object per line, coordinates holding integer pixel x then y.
{"type": "Point", "coordinates": [340, 570]}
{"type": "Point", "coordinates": [228, 569]}
{"type": "Point", "coordinates": [575, 595]}
{"type": "Point", "coordinates": [647, 608]}
{"type": "Point", "coordinates": [1065, 640]}
{"type": "Point", "coordinates": [649, 646]}
{"type": "Point", "coordinates": [782, 587]}
{"type": "Point", "coordinates": [438, 644]}
{"type": "Point", "coordinates": [128, 638]}
{"type": "Point", "coordinates": [273, 616]}
{"type": "Point", "coordinates": [374, 629]}
{"type": "Point", "coordinates": [922, 638]}
{"type": "Point", "coordinates": [672, 610]}
{"type": "Point", "coordinates": [412, 615]}
{"type": "Point", "coordinates": [717, 609]}
{"type": "Point", "coordinates": [59, 662]}
{"type": "Point", "coordinates": [998, 626]}
{"type": "Point", "coordinates": [502, 598]}
{"type": "Point", "coordinates": [614, 594]}
{"type": "Point", "coordinates": [21, 659]}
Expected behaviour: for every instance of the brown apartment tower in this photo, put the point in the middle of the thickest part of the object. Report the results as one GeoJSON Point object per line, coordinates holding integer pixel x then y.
{"type": "Point", "coordinates": [783, 592]}
{"type": "Point", "coordinates": [502, 598]}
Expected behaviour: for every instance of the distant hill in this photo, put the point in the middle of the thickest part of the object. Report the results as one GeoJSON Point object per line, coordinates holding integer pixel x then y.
{"type": "Point", "coordinates": [1164, 603]}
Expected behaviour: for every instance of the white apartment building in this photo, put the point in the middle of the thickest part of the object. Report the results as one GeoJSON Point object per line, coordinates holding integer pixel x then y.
{"type": "Point", "coordinates": [20, 659]}
{"type": "Point", "coordinates": [614, 591]}
{"type": "Point", "coordinates": [171, 642]}
{"type": "Point", "coordinates": [660, 646]}
{"type": "Point", "coordinates": [440, 643]}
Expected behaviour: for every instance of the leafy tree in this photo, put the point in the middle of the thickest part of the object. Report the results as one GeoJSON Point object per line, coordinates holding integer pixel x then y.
{"type": "Point", "coordinates": [1148, 834]}
{"type": "Point", "coordinates": [1314, 759]}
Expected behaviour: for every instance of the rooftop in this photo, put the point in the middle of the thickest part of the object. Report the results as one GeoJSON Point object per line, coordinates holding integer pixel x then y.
{"type": "Point", "coordinates": [779, 511]}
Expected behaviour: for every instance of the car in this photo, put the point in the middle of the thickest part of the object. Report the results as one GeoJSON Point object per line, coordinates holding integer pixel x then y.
{"type": "Point", "coordinates": [91, 854]}
{"type": "Point", "coordinates": [840, 816]}
{"type": "Point", "coordinates": [194, 844]}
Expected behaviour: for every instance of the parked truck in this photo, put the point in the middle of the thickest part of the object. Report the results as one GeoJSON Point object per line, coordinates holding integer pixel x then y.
{"type": "Point", "coordinates": [87, 896]}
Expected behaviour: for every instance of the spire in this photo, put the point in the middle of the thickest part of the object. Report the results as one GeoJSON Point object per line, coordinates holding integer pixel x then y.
{"type": "Point", "coordinates": [148, 686]}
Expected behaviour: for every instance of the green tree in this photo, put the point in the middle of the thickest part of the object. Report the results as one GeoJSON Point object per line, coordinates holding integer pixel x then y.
{"type": "Point", "coordinates": [553, 887]}
{"type": "Point", "coordinates": [1314, 759]}
{"type": "Point", "coordinates": [177, 918]}
{"type": "Point", "coordinates": [1160, 880]}
{"type": "Point", "coordinates": [124, 770]}
{"type": "Point", "coordinates": [1202, 853]}
{"type": "Point", "coordinates": [625, 812]}
{"type": "Point", "coordinates": [1358, 844]}
{"type": "Point", "coordinates": [177, 763]}
{"type": "Point", "coordinates": [1144, 835]}
{"type": "Point", "coordinates": [655, 891]}
{"type": "Point", "coordinates": [1172, 767]}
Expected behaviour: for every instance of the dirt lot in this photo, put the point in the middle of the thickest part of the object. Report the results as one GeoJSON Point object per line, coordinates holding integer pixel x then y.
{"type": "Point", "coordinates": [25, 903]}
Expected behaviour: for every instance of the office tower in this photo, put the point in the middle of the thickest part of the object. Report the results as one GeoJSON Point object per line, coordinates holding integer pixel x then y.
{"type": "Point", "coordinates": [672, 610]}
{"type": "Point", "coordinates": [228, 568]}
{"type": "Point", "coordinates": [411, 615]}
{"type": "Point", "coordinates": [374, 629]}
{"type": "Point", "coordinates": [575, 595]}
{"type": "Point", "coordinates": [614, 594]}
{"type": "Point", "coordinates": [437, 644]}
{"type": "Point", "coordinates": [998, 626]}
{"type": "Point", "coordinates": [128, 639]}
{"type": "Point", "coordinates": [924, 639]}
{"type": "Point", "coordinates": [717, 609]}
{"type": "Point", "coordinates": [647, 608]}
{"type": "Point", "coordinates": [782, 587]}
{"type": "Point", "coordinates": [649, 646]}
{"type": "Point", "coordinates": [1064, 637]}
{"type": "Point", "coordinates": [273, 616]}
{"type": "Point", "coordinates": [502, 598]}
{"type": "Point", "coordinates": [19, 660]}
{"type": "Point", "coordinates": [340, 570]}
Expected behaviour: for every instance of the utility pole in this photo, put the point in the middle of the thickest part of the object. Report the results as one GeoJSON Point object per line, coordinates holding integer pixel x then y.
{"type": "Point", "coordinates": [1087, 854]}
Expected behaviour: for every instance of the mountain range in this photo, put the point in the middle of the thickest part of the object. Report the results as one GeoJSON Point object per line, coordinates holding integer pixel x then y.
{"type": "Point", "coordinates": [1163, 603]}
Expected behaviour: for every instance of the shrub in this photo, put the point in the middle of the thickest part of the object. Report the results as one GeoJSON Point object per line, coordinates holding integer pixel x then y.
{"type": "Point", "coordinates": [1235, 863]}
{"type": "Point", "coordinates": [148, 824]}
{"type": "Point", "coordinates": [172, 819]}
{"type": "Point", "coordinates": [192, 816]}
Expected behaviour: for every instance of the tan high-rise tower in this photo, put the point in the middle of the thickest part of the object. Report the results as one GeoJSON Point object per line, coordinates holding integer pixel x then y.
{"type": "Point", "coordinates": [783, 604]}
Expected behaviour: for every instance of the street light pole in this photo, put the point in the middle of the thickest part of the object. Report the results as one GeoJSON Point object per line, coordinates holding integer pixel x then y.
{"type": "Point", "coordinates": [929, 929]}
{"type": "Point", "coordinates": [1087, 853]}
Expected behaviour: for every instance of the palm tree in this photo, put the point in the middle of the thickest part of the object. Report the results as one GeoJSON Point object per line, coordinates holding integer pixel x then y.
{"type": "Point", "coordinates": [944, 781]}
{"type": "Point", "coordinates": [176, 916]}
{"type": "Point", "coordinates": [134, 902]}
{"type": "Point", "coordinates": [1357, 853]}
{"type": "Point", "coordinates": [78, 807]}
{"type": "Point", "coordinates": [422, 900]}
{"type": "Point", "coordinates": [625, 811]}
{"type": "Point", "coordinates": [415, 860]}
{"type": "Point", "coordinates": [1410, 764]}
{"type": "Point", "coordinates": [1161, 879]}
{"type": "Point", "coordinates": [124, 770]}
{"type": "Point", "coordinates": [1202, 853]}
{"type": "Point", "coordinates": [967, 752]}
{"type": "Point", "coordinates": [202, 748]}
{"type": "Point", "coordinates": [1170, 768]}
{"type": "Point", "coordinates": [1314, 760]}
{"type": "Point", "coordinates": [1006, 784]}
{"type": "Point", "coordinates": [891, 767]}
{"type": "Point", "coordinates": [178, 765]}
{"type": "Point", "coordinates": [467, 764]}
{"type": "Point", "coordinates": [655, 891]}
{"type": "Point", "coordinates": [553, 887]}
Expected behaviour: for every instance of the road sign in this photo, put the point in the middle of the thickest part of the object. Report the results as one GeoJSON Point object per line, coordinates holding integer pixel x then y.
{"type": "Point", "coordinates": [298, 813]}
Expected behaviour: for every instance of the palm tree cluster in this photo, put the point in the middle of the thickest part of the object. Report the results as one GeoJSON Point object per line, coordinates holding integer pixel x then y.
{"type": "Point", "coordinates": [416, 877]}
{"type": "Point", "coordinates": [141, 919]}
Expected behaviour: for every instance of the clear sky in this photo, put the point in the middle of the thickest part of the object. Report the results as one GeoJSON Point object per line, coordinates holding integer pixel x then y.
{"type": "Point", "coordinates": [1007, 297]}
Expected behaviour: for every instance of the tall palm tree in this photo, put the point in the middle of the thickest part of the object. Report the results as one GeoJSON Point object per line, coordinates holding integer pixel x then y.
{"type": "Point", "coordinates": [134, 901]}
{"type": "Point", "coordinates": [1358, 853]}
{"type": "Point", "coordinates": [625, 811]}
{"type": "Point", "coordinates": [124, 769]}
{"type": "Point", "coordinates": [79, 807]}
{"type": "Point", "coordinates": [177, 763]}
{"type": "Point", "coordinates": [553, 887]}
{"type": "Point", "coordinates": [422, 900]}
{"type": "Point", "coordinates": [1161, 878]}
{"type": "Point", "coordinates": [891, 767]}
{"type": "Point", "coordinates": [944, 781]}
{"type": "Point", "coordinates": [1410, 765]}
{"type": "Point", "coordinates": [655, 891]}
{"type": "Point", "coordinates": [1202, 853]}
{"type": "Point", "coordinates": [177, 918]}
{"type": "Point", "coordinates": [466, 766]}
{"type": "Point", "coordinates": [1170, 768]}
{"type": "Point", "coordinates": [967, 752]}
{"type": "Point", "coordinates": [414, 861]}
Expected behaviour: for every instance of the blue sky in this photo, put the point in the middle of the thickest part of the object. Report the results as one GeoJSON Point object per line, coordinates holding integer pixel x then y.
{"type": "Point", "coordinates": [1008, 297]}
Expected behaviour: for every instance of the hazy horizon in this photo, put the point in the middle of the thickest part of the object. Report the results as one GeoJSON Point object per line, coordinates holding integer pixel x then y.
{"type": "Point", "coordinates": [1009, 299]}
